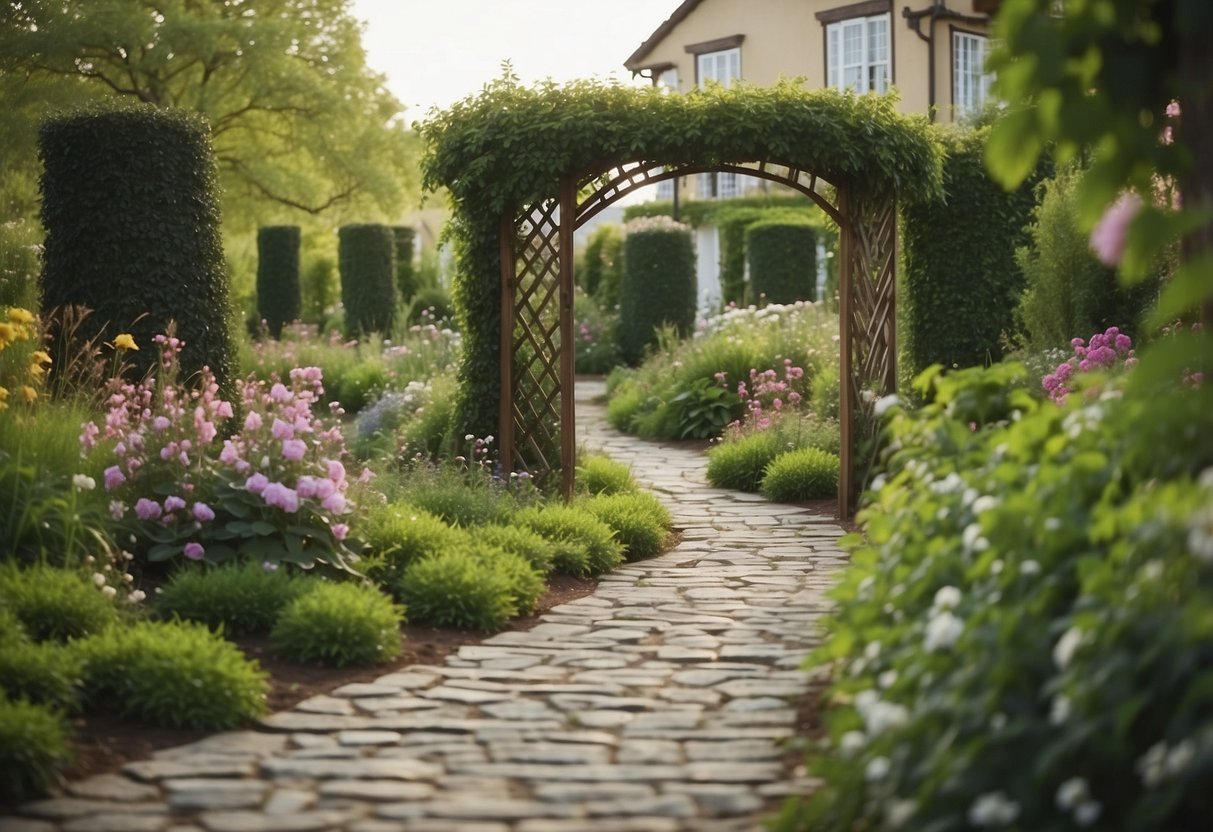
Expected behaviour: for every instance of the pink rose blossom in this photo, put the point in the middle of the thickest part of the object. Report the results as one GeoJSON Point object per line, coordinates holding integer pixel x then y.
{"type": "Point", "coordinates": [293, 449]}
{"type": "Point", "coordinates": [306, 487]}
{"type": "Point", "coordinates": [340, 530]}
{"type": "Point", "coordinates": [203, 513]}
{"type": "Point", "coordinates": [336, 470]}
{"type": "Point", "coordinates": [113, 477]}
{"type": "Point", "coordinates": [256, 483]}
{"type": "Point", "coordinates": [282, 430]}
{"type": "Point", "coordinates": [279, 496]}
{"type": "Point", "coordinates": [173, 503]}
{"type": "Point", "coordinates": [146, 509]}
{"type": "Point", "coordinates": [1108, 235]}
{"type": "Point", "coordinates": [194, 551]}
{"type": "Point", "coordinates": [334, 502]}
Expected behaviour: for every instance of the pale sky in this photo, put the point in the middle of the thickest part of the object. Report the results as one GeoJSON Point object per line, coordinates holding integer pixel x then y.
{"type": "Point", "coordinates": [435, 52]}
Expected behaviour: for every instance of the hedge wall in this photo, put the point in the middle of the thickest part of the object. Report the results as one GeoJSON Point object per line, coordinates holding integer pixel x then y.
{"type": "Point", "coordinates": [603, 263]}
{"type": "Point", "coordinates": [406, 274]}
{"type": "Point", "coordinates": [366, 258]}
{"type": "Point", "coordinates": [961, 283]}
{"type": "Point", "coordinates": [658, 285]}
{"type": "Point", "coordinates": [279, 296]}
{"type": "Point", "coordinates": [783, 261]}
{"type": "Point", "coordinates": [131, 211]}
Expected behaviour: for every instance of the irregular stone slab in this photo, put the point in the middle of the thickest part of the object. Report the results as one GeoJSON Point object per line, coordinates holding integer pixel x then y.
{"type": "Point", "coordinates": [119, 822]}
{"type": "Point", "coordinates": [378, 704]}
{"type": "Point", "coordinates": [467, 696]}
{"type": "Point", "coordinates": [408, 679]}
{"type": "Point", "coordinates": [583, 792]}
{"type": "Point", "coordinates": [600, 719]}
{"type": "Point", "coordinates": [360, 689]}
{"type": "Point", "coordinates": [716, 799]}
{"type": "Point", "coordinates": [762, 687]}
{"type": "Point", "coordinates": [367, 768]}
{"type": "Point", "coordinates": [662, 806]}
{"type": "Point", "coordinates": [477, 808]}
{"type": "Point", "coordinates": [229, 744]}
{"type": "Point", "coordinates": [326, 705]}
{"type": "Point", "coordinates": [58, 808]}
{"type": "Point", "coordinates": [739, 750]}
{"type": "Point", "coordinates": [361, 738]}
{"type": "Point", "coordinates": [540, 752]}
{"type": "Point", "coordinates": [110, 787]}
{"type": "Point", "coordinates": [198, 793]}
{"type": "Point", "coordinates": [375, 790]}
{"type": "Point", "coordinates": [649, 824]}
{"type": "Point", "coordinates": [289, 801]}
{"type": "Point", "coordinates": [259, 822]}
{"type": "Point", "coordinates": [294, 721]}
{"type": "Point", "coordinates": [649, 751]}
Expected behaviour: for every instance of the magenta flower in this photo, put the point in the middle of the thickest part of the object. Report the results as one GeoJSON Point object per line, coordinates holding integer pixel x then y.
{"type": "Point", "coordinates": [146, 509]}
{"type": "Point", "coordinates": [1108, 235]}
{"type": "Point", "coordinates": [294, 449]}
{"type": "Point", "coordinates": [279, 496]}
{"type": "Point", "coordinates": [113, 477]}
{"type": "Point", "coordinates": [194, 551]}
{"type": "Point", "coordinates": [203, 513]}
{"type": "Point", "coordinates": [256, 483]}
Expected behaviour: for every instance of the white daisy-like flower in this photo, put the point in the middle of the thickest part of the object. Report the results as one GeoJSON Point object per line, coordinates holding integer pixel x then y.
{"type": "Point", "coordinates": [1071, 793]}
{"type": "Point", "coordinates": [942, 632]}
{"type": "Point", "coordinates": [877, 769]}
{"type": "Point", "coordinates": [852, 742]}
{"type": "Point", "coordinates": [993, 810]}
{"type": "Point", "coordinates": [946, 598]}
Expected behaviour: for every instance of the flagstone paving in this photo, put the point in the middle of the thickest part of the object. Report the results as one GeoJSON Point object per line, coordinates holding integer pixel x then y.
{"type": "Point", "coordinates": [660, 702]}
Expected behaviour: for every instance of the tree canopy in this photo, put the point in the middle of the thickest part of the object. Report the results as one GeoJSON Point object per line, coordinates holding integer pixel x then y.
{"type": "Point", "coordinates": [300, 123]}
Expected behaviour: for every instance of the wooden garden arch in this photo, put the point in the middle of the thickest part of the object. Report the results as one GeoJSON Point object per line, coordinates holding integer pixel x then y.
{"type": "Point", "coordinates": [537, 429]}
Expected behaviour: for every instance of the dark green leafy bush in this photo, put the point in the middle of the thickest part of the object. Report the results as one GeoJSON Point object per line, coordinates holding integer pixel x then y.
{"type": "Point", "coordinates": [279, 296]}
{"type": "Point", "coordinates": [518, 540]}
{"type": "Point", "coordinates": [339, 624]}
{"type": "Point", "coordinates": [130, 206]}
{"type": "Point", "coordinates": [456, 588]}
{"type": "Point", "coordinates": [34, 748]}
{"type": "Point", "coordinates": [578, 534]}
{"type": "Point", "coordinates": [640, 521]}
{"type": "Point", "coordinates": [406, 275]}
{"type": "Point", "coordinates": [783, 260]}
{"type": "Point", "coordinates": [55, 603]}
{"type": "Point", "coordinates": [359, 385]}
{"type": "Point", "coordinates": [366, 260]}
{"type": "Point", "coordinates": [319, 289]}
{"type": "Point", "coordinates": [47, 673]}
{"type": "Point", "coordinates": [430, 305]}
{"type": "Point", "coordinates": [240, 599]}
{"type": "Point", "coordinates": [804, 474]}
{"type": "Point", "coordinates": [658, 285]}
{"type": "Point", "coordinates": [173, 674]}
{"type": "Point", "coordinates": [599, 474]}
{"type": "Point", "coordinates": [702, 409]}
{"type": "Point", "coordinates": [740, 463]}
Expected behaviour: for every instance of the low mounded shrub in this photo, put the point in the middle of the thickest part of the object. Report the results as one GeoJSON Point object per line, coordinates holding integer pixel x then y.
{"type": "Point", "coordinates": [48, 674]}
{"type": "Point", "coordinates": [519, 540]}
{"type": "Point", "coordinates": [173, 674]}
{"type": "Point", "coordinates": [339, 624]}
{"type": "Point", "coordinates": [526, 583]}
{"type": "Point", "coordinates": [359, 385]}
{"type": "Point", "coordinates": [34, 748]}
{"type": "Point", "coordinates": [741, 462]}
{"type": "Point", "coordinates": [239, 599]}
{"type": "Point", "coordinates": [455, 588]}
{"type": "Point", "coordinates": [577, 533]}
{"type": "Point", "coordinates": [55, 603]}
{"type": "Point", "coordinates": [398, 534]}
{"type": "Point", "coordinates": [599, 474]}
{"type": "Point", "coordinates": [804, 474]}
{"type": "Point", "coordinates": [448, 494]}
{"type": "Point", "coordinates": [640, 521]}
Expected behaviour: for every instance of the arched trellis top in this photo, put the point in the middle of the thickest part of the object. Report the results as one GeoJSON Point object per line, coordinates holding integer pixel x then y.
{"type": "Point", "coordinates": [525, 166]}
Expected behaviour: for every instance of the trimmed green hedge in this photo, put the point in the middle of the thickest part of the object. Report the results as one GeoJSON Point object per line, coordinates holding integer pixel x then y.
{"type": "Point", "coordinates": [279, 297]}
{"type": "Point", "coordinates": [366, 256]}
{"type": "Point", "coordinates": [406, 274]}
{"type": "Point", "coordinates": [658, 285]}
{"type": "Point", "coordinates": [961, 282]}
{"type": "Point", "coordinates": [603, 265]}
{"type": "Point", "coordinates": [783, 261]}
{"type": "Point", "coordinates": [130, 206]}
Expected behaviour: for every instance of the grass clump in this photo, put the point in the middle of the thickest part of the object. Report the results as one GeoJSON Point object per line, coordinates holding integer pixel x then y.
{"type": "Point", "coordinates": [48, 674]}
{"type": "Point", "coordinates": [519, 540]}
{"type": "Point", "coordinates": [599, 474]}
{"type": "Point", "coordinates": [804, 474]}
{"type": "Point", "coordinates": [586, 546]}
{"type": "Point", "coordinates": [34, 748]}
{"type": "Point", "coordinates": [240, 599]}
{"type": "Point", "coordinates": [447, 494]}
{"type": "Point", "coordinates": [339, 625]}
{"type": "Point", "coordinates": [640, 521]}
{"type": "Point", "coordinates": [740, 463]}
{"type": "Point", "coordinates": [457, 589]}
{"type": "Point", "coordinates": [173, 674]}
{"type": "Point", "coordinates": [55, 604]}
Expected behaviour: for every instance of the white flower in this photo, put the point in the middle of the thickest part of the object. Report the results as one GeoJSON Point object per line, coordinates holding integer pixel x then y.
{"type": "Point", "coordinates": [851, 743]}
{"type": "Point", "coordinates": [1179, 757]}
{"type": "Point", "coordinates": [1150, 765]}
{"type": "Point", "coordinates": [1200, 534]}
{"type": "Point", "coordinates": [98, 579]}
{"type": "Point", "coordinates": [942, 632]}
{"type": "Point", "coordinates": [899, 812]}
{"type": "Point", "coordinates": [884, 403]}
{"type": "Point", "coordinates": [996, 567]}
{"type": "Point", "coordinates": [973, 540]}
{"type": "Point", "coordinates": [1059, 711]}
{"type": "Point", "coordinates": [1052, 524]}
{"type": "Point", "coordinates": [946, 598]}
{"type": "Point", "coordinates": [1206, 478]}
{"type": "Point", "coordinates": [1087, 812]}
{"type": "Point", "coordinates": [1067, 646]}
{"type": "Point", "coordinates": [887, 679]}
{"type": "Point", "coordinates": [84, 482]}
{"type": "Point", "coordinates": [108, 591]}
{"type": "Point", "coordinates": [993, 809]}
{"type": "Point", "coordinates": [877, 769]}
{"type": "Point", "coordinates": [136, 596]}
{"type": "Point", "coordinates": [998, 721]}
{"type": "Point", "coordinates": [1029, 567]}
{"type": "Point", "coordinates": [1071, 793]}
{"type": "Point", "coordinates": [1152, 570]}
{"type": "Point", "coordinates": [872, 650]}
{"type": "Point", "coordinates": [984, 504]}
{"type": "Point", "coordinates": [879, 716]}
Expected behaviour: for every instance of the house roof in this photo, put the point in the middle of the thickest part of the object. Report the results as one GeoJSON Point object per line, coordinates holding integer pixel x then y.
{"type": "Point", "coordinates": [636, 62]}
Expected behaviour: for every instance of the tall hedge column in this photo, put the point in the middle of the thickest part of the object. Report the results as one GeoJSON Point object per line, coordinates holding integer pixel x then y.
{"type": "Point", "coordinates": [131, 212]}
{"type": "Point", "coordinates": [366, 256]}
{"type": "Point", "coordinates": [406, 274]}
{"type": "Point", "coordinates": [279, 299]}
{"type": "Point", "coordinates": [783, 261]}
{"type": "Point", "coordinates": [658, 285]}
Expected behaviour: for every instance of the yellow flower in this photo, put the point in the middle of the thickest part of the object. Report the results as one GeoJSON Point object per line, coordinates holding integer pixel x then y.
{"type": "Point", "coordinates": [8, 334]}
{"type": "Point", "coordinates": [124, 341]}
{"type": "Point", "coordinates": [3, 397]}
{"type": "Point", "coordinates": [42, 357]}
{"type": "Point", "coordinates": [20, 316]}
{"type": "Point", "coordinates": [36, 370]}
{"type": "Point", "coordinates": [28, 393]}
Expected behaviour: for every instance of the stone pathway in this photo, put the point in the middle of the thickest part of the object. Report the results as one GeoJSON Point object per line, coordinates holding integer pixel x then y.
{"type": "Point", "coordinates": [660, 702]}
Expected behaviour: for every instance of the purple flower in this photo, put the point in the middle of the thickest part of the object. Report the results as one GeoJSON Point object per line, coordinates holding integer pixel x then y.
{"type": "Point", "coordinates": [229, 455]}
{"type": "Point", "coordinates": [293, 449]}
{"type": "Point", "coordinates": [173, 502]}
{"type": "Point", "coordinates": [252, 421]}
{"type": "Point", "coordinates": [256, 483]}
{"type": "Point", "coordinates": [334, 502]}
{"type": "Point", "coordinates": [194, 551]}
{"type": "Point", "coordinates": [282, 430]}
{"type": "Point", "coordinates": [146, 509]}
{"type": "Point", "coordinates": [340, 530]}
{"type": "Point", "coordinates": [113, 477]}
{"type": "Point", "coordinates": [279, 496]}
{"type": "Point", "coordinates": [279, 393]}
{"type": "Point", "coordinates": [161, 423]}
{"type": "Point", "coordinates": [306, 487]}
{"type": "Point", "coordinates": [203, 513]}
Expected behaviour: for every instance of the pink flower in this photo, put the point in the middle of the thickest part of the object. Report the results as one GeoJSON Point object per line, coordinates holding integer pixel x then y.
{"type": "Point", "coordinates": [334, 502]}
{"type": "Point", "coordinates": [224, 410]}
{"type": "Point", "coordinates": [306, 487]}
{"type": "Point", "coordinates": [146, 509]}
{"type": "Point", "coordinates": [279, 393]}
{"type": "Point", "coordinates": [194, 551]}
{"type": "Point", "coordinates": [324, 488]}
{"type": "Point", "coordinates": [252, 421]}
{"type": "Point", "coordinates": [279, 496]}
{"type": "Point", "coordinates": [256, 483]}
{"type": "Point", "coordinates": [161, 423]}
{"type": "Point", "coordinates": [206, 431]}
{"type": "Point", "coordinates": [229, 455]}
{"type": "Point", "coordinates": [113, 477]}
{"type": "Point", "coordinates": [1108, 235]}
{"type": "Point", "coordinates": [173, 503]}
{"type": "Point", "coordinates": [203, 513]}
{"type": "Point", "coordinates": [282, 430]}
{"type": "Point", "coordinates": [293, 449]}
{"type": "Point", "coordinates": [336, 470]}
{"type": "Point", "coordinates": [340, 530]}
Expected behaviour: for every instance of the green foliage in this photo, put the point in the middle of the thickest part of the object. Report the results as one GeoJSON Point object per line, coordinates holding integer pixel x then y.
{"type": "Point", "coordinates": [430, 432]}
{"type": "Point", "coordinates": [172, 674]}
{"type": "Point", "coordinates": [472, 150]}
{"type": "Point", "coordinates": [640, 521]}
{"type": "Point", "coordinates": [804, 474]}
{"type": "Point", "coordinates": [360, 385]}
{"type": "Point", "coordinates": [458, 588]}
{"type": "Point", "coordinates": [657, 288]}
{"type": "Point", "coordinates": [20, 263]}
{"type": "Point", "coordinates": [238, 599]}
{"type": "Point", "coordinates": [599, 474]}
{"type": "Point", "coordinates": [537, 550]}
{"type": "Point", "coordinates": [431, 305]}
{"type": "Point", "coordinates": [366, 258]}
{"type": "Point", "coordinates": [1068, 291]}
{"type": "Point", "coordinates": [603, 265]}
{"type": "Point", "coordinates": [279, 296]}
{"type": "Point", "coordinates": [740, 463]}
{"type": "Point", "coordinates": [961, 283]}
{"type": "Point", "coordinates": [456, 497]}
{"type": "Point", "coordinates": [48, 674]}
{"type": "Point", "coordinates": [339, 625]}
{"type": "Point", "coordinates": [406, 275]}
{"type": "Point", "coordinates": [55, 604]}
{"type": "Point", "coordinates": [702, 409]}
{"type": "Point", "coordinates": [783, 261]}
{"type": "Point", "coordinates": [34, 748]}
{"type": "Point", "coordinates": [132, 232]}
{"type": "Point", "coordinates": [397, 534]}
{"type": "Point", "coordinates": [586, 546]}
{"type": "Point", "coordinates": [319, 290]}
{"type": "Point", "coordinates": [596, 346]}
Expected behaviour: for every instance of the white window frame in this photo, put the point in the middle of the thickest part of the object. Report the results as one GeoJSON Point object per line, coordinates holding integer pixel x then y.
{"type": "Point", "coordinates": [869, 66]}
{"type": "Point", "coordinates": [723, 67]}
{"type": "Point", "coordinates": [970, 81]}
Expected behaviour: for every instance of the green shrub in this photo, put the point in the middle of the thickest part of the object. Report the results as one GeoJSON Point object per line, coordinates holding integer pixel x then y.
{"type": "Point", "coordinates": [431, 305]}
{"type": "Point", "coordinates": [740, 463]}
{"type": "Point", "coordinates": [240, 599]}
{"type": "Point", "coordinates": [319, 290]}
{"type": "Point", "coordinates": [131, 211]}
{"type": "Point", "coordinates": [366, 258]}
{"type": "Point", "coordinates": [599, 474]}
{"type": "Point", "coordinates": [640, 521]}
{"type": "Point", "coordinates": [603, 264]}
{"type": "Point", "coordinates": [34, 748]}
{"type": "Point", "coordinates": [455, 588]}
{"type": "Point", "coordinates": [596, 346]}
{"type": "Point", "coordinates": [783, 260]}
{"type": "Point", "coordinates": [658, 285]}
{"type": "Point", "coordinates": [55, 603]}
{"type": "Point", "coordinates": [700, 410]}
{"type": "Point", "coordinates": [279, 296]}
{"type": "Point", "coordinates": [398, 534]}
{"type": "Point", "coordinates": [518, 540]}
{"type": "Point", "coordinates": [48, 674]}
{"type": "Point", "coordinates": [826, 393]}
{"type": "Point", "coordinates": [429, 432]}
{"type": "Point", "coordinates": [339, 624]}
{"type": "Point", "coordinates": [360, 385]}
{"type": "Point", "coordinates": [577, 533]}
{"type": "Point", "coordinates": [804, 474]}
{"type": "Point", "coordinates": [20, 262]}
{"type": "Point", "coordinates": [406, 276]}
{"type": "Point", "coordinates": [525, 581]}
{"type": "Point", "coordinates": [961, 283]}
{"type": "Point", "coordinates": [448, 494]}
{"type": "Point", "coordinates": [625, 405]}
{"type": "Point", "coordinates": [172, 674]}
